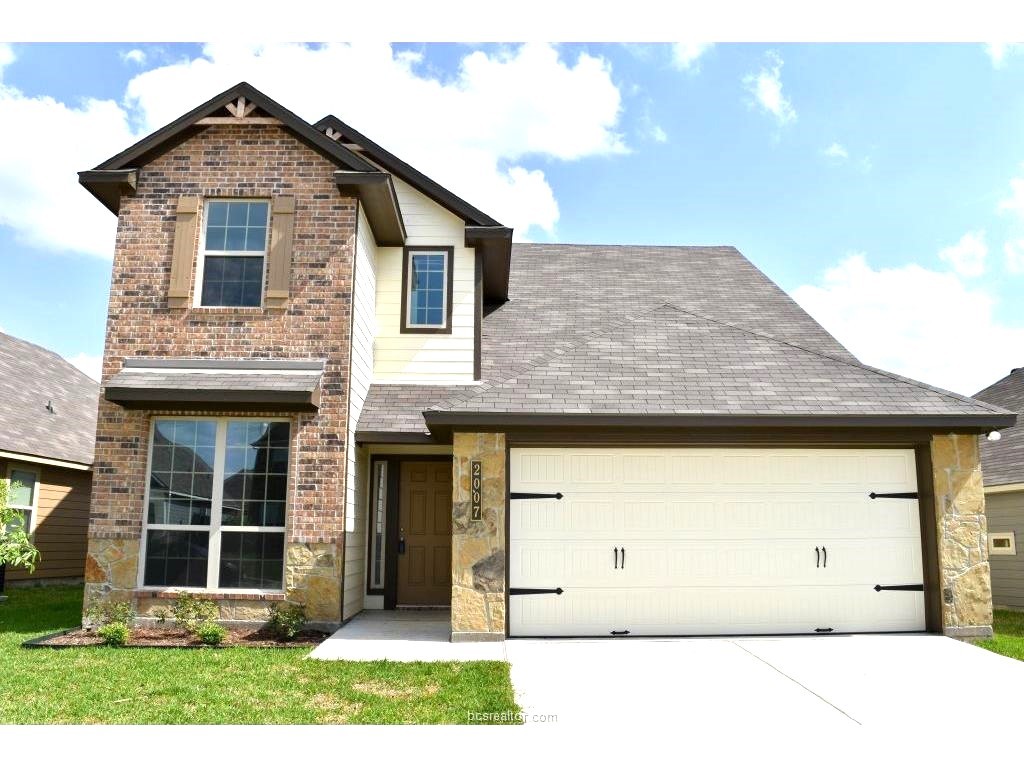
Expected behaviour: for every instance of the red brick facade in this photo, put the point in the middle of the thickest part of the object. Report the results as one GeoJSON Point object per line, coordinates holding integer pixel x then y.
{"type": "Point", "coordinates": [227, 161]}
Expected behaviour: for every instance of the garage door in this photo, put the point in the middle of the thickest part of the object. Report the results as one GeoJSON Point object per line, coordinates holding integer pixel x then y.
{"type": "Point", "coordinates": [713, 541]}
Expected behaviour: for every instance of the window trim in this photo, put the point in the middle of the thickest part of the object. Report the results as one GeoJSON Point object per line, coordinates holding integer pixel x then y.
{"type": "Point", "coordinates": [449, 260]}
{"type": "Point", "coordinates": [197, 294]}
{"type": "Point", "coordinates": [216, 510]}
{"type": "Point", "coordinates": [33, 511]}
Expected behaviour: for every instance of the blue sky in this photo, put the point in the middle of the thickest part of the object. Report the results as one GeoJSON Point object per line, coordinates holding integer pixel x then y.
{"type": "Point", "coordinates": [873, 182]}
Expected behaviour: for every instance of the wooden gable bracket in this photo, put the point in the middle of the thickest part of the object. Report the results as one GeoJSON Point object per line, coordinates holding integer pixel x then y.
{"type": "Point", "coordinates": [333, 134]}
{"type": "Point", "coordinates": [241, 113]}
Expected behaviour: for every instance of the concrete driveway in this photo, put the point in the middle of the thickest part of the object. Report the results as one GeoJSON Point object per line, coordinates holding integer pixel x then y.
{"type": "Point", "coordinates": [829, 682]}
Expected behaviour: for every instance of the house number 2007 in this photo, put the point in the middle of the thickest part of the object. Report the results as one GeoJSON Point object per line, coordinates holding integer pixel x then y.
{"type": "Point", "coordinates": [475, 476]}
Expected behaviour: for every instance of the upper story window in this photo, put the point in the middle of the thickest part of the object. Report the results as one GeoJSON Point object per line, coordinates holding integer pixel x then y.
{"type": "Point", "coordinates": [234, 252]}
{"type": "Point", "coordinates": [427, 290]}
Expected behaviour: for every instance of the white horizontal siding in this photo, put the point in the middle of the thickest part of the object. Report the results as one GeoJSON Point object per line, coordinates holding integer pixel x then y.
{"type": "Point", "coordinates": [425, 357]}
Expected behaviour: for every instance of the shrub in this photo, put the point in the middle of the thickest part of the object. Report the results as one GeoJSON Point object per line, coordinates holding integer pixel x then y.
{"type": "Point", "coordinates": [115, 633]}
{"type": "Point", "coordinates": [287, 620]}
{"type": "Point", "coordinates": [190, 612]}
{"type": "Point", "coordinates": [111, 612]}
{"type": "Point", "coordinates": [161, 615]}
{"type": "Point", "coordinates": [211, 633]}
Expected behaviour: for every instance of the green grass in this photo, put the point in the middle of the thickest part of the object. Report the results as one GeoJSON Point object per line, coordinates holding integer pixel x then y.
{"type": "Point", "coordinates": [228, 685]}
{"type": "Point", "coordinates": [1009, 635]}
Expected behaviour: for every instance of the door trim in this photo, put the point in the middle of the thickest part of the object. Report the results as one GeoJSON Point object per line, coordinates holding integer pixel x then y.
{"type": "Point", "coordinates": [394, 463]}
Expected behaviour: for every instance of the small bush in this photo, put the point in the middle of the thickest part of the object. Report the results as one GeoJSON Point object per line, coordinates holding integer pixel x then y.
{"type": "Point", "coordinates": [191, 612]}
{"type": "Point", "coordinates": [287, 620]}
{"type": "Point", "coordinates": [161, 615]}
{"type": "Point", "coordinates": [111, 612]}
{"type": "Point", "coordinates": [211, 633]}
{"type": "Point", "coordinates": [115, 633]}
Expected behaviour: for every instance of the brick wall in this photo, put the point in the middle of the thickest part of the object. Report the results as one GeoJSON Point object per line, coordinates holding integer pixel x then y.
{"type": "Point", "coordinates": [229, 161]}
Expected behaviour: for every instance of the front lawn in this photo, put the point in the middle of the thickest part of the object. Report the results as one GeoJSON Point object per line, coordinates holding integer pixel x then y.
{"type": "Point", "coordinates": [229, 685]}
{"type": "Point", "coordinates": [1009, 634]}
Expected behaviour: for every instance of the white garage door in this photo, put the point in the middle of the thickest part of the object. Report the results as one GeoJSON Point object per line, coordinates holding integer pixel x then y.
{"type": "Point", "coordinates": [694, 541]}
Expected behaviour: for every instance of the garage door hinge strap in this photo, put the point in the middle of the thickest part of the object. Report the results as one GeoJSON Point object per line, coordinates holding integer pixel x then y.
{"type": "Point", "coordinates": [515, 496]}
{"type": "Point", "coordinates": [907, 495]}
{"type": "Point", "coordinates": [518, 591]}
{"type": "Point", "coordinates": [901, 587]}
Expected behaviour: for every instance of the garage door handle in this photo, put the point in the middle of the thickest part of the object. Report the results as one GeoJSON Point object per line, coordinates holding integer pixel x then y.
{"type": "Point", "coordinates": [817, 558]}
{"type": "Point", "coordinates": [623, 558]}
{"type": "Point", "coordinates": [616, 558]}
{"type": "Point", "coordinates": [824, 552]}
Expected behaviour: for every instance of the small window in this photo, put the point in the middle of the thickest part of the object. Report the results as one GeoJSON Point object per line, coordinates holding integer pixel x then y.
{"type": "Point", "coordinates": [378, 523]}
{"type": "Point", "coordinates": [1002, 544]}
{"type": "Point", "coordinates": [23, 493]}
{"type": "Point", "coordinates": [426, 300]}
{"type": "Point", "coordinates": [234, 251]}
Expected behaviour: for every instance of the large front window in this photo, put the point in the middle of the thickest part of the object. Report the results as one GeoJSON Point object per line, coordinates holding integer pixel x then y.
{"type": "Point", "coordinates": [216, 504]}
{"type": "Point", "coordinates": [235, 246]}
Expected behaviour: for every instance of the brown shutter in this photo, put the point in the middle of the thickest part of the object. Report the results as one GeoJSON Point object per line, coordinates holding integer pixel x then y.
{"type": "Point", "coordinates": [279, 265]}
{"type": "Point", "coordinates": [184, 250]}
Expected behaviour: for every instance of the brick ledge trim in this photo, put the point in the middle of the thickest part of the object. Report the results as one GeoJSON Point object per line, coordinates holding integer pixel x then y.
{"type": "Point", "coordinates": [170, 594]}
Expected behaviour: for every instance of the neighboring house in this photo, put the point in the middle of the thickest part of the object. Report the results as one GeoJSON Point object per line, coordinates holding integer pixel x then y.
{"type": "Point", "coordinates": [1003, 463]}
{"type": "Point", "coordinates": [329, 380]}
{"type": "Point", "coordinates": [47, 433]}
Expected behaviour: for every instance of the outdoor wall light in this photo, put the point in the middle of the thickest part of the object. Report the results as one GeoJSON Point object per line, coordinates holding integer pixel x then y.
{"type": "Point", "coordinates": [992, 436]}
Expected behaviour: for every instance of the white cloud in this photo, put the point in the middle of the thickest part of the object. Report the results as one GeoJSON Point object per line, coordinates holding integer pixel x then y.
{"type": "Point", "coordinates": [6, 56]}
{"type": "Point", "coordinates": [657, 133]}
{"type": "Point", "coordinates": [1015, 202]}
{"type": "Point", "coordinates": [914, 321]}
{"type": "Point", "coordinates": [836, 151]}
{"type": "Point", "coordinates": [686, 56]}
{"type": "Point", "coordinates": [1014, 252]}
{"type": "Point", "coordinates": [477, 132]}
{"type": "Point", "coordinates": [134, 56]}
{"type": "Point", "coordinates": [766, 89]}
{"type": "Point", "coordinates": [1000, 52]}
{"type": "Point", "coordinates": [967, 257]}
{"type": "Point", "coordinates": [90, 365]}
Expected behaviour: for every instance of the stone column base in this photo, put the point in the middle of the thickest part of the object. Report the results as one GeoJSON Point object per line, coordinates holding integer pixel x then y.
{"type": "Point", "coordinates": [967, 633]}
{"type": "Point", "coordinates": [476, 637]}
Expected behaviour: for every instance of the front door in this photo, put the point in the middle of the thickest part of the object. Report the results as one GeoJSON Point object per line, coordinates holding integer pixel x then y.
{"type": "Point", "coordinates": [425, 533]}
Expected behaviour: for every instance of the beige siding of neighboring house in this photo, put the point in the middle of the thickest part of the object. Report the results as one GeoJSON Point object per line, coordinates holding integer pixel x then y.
{"type": "Point", "coordinates": [425, 357]}
{"type": "Point", "coordinates": [59, 530]}
{"type": "Point", "coordinates": [363, 328]}
{"type": "Point", "coordinates": [1005, 512]}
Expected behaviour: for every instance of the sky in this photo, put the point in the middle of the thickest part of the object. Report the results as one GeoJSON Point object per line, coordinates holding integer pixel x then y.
{"type": "Point", "coordinates": [881, 185]}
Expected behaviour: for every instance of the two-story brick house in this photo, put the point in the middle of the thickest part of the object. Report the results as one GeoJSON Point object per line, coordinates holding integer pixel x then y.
{"type": "Point", "coordinates": [329, 380]}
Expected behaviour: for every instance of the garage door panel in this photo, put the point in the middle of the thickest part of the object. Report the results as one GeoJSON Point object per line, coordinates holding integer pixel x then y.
{"type": "Point", "coordinates": [717, 541]}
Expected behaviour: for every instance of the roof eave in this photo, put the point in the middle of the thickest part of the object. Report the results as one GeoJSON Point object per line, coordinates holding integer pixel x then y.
{"type": "Point", "coordinates": [494, 244]}
{"type": "Point", "coordinates": [376, 191]}
{"type": "Point", "coordinates": [444, 421]}
{"type": "Point", "coordinates": [108, 186]}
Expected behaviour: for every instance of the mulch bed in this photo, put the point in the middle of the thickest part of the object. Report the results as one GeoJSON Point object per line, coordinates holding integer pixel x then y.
{"type": "Point", "coordinates": [171, 637]}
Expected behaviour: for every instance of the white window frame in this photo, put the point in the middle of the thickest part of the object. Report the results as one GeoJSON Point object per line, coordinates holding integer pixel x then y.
{"type": "Point", "coordinates": [448, 259]}
{"type": "Point", "coordinates": [197, 294]}
{"type": "Point", "coordinates": [1011, 550]}
{"type": "Point", "coordinates": [31, 511]}
{"type": "Point", "coordinates": [215, 527]}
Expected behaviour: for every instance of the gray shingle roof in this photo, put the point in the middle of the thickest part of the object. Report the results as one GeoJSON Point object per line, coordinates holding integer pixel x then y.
{"type": "Point", "coordinates": [660, 330]}
{"type": "Point", "coordinates": [400, 407]}
{"type": "Point", "coordinates": [1002, 462]}
{"type": "Point", "coordinates": [671, 361]}
{"type": "Point", "coordinates": [30, 377]}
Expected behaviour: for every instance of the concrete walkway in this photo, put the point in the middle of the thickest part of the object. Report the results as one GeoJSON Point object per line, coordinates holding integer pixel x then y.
{"type": "Point", "coordinates": [407, 635]}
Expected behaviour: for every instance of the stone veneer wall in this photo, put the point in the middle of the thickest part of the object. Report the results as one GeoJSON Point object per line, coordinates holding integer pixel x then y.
{"type": "Point", "coordinates": [478, 546]}
{"type": "Point", "coordinates": [231, 161]}
{"type": "Point", "coordinates": [964, 576]}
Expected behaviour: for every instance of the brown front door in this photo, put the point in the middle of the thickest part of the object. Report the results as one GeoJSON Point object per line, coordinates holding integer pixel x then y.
{"type": "Point", "coordinates": [425, 531]}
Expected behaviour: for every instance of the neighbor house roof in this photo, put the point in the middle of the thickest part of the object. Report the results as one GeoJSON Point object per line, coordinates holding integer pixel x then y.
{"type": "Point", "coordinates": [1002, 461]}
{"type": "Point", "coordinates": [693, 335]}
{"type": "Point", "coordinates": [31, 378]}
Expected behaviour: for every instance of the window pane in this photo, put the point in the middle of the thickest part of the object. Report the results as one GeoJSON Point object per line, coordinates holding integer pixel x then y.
{"type": "Point", "coordinates": [235, 239]}
{"type": "Point", "coordinates": [233, 281]}
{"type": "Point", "coordinates": [23, 496]}
{"type": "Point", "coordinates": [247, 485]}
{"type": "Point", "coordinates": [380, 472]}
{"type": "Point", "coordinates": [183, 495]}
{"type": "Point", "coordinates": [216, 214]}
{"type": "Point", "coordinates": [238, 214]}
{"type": "Point", "coordinates": [176, 558]}
{"type": "Point", "coordinates": [251, 560]}
{"type": "Point", "coordinates": [427, 289]}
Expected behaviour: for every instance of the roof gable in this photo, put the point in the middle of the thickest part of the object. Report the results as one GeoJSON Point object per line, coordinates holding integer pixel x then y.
{"type": "Point", "coordinates": [1002, 461]}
